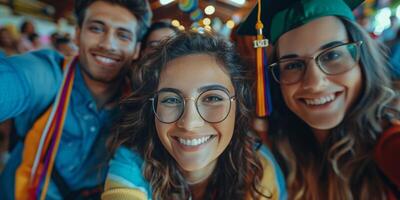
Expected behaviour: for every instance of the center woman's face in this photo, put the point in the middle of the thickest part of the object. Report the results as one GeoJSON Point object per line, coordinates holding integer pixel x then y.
{"type": "Point", "coordinates": [319, 99]}
{"type": "Point", "coordinates": [200, 82]}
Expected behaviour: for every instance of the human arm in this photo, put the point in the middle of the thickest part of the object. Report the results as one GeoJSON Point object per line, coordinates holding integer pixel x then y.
{"type": "Point", "coordinates": [125, 179]}
{"type": "Point", "coordinates": [28, 82]}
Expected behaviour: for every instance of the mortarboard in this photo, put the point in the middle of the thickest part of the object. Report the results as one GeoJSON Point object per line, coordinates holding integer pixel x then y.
{"type": "Point", "coordinates": [277, 17]}
{"type": "Point", "coordinates": [281, 16]}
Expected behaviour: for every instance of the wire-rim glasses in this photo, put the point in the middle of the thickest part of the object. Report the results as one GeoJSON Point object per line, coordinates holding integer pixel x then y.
{"type": "Point", "coordinates": [212, 105]}
{"type": "Point", "coordinates": [332, 61]}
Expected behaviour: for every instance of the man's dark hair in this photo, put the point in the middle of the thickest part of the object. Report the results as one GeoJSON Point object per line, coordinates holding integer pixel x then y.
{"type": "Point", "coordinates": [139, 8]}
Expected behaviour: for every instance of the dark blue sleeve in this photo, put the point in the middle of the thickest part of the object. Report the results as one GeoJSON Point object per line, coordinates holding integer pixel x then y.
{"type": "Point", "coordinates": [28, 82]}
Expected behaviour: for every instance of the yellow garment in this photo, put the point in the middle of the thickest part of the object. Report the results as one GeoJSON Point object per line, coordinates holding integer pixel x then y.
{"type": "Point", "coordinates": [268, 185]}
{"type": "Point", "coordinates": [23, 173]}
{"type": "Point", "coordinates": [114, 190]}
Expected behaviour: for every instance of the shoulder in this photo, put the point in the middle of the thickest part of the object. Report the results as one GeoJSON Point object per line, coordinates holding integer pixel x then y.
{"type": "Point", "coordinates": [45, 55]}
{"type": "Point", "coordinates": [37, 64]}
{"type": "Point", "coordinates": [273, 181]}
{"type": "Point", "coordinates": [125, 177]}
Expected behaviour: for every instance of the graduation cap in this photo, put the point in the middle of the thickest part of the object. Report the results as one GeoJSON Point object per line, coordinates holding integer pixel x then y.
{"type": "Point", "coordinates": [281, 16]}
{"type": "Point", "coordinates": [270, 19]}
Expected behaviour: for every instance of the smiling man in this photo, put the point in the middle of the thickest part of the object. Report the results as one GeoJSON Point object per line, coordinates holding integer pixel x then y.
{"type": "Point", "coordinates": [108, 36]}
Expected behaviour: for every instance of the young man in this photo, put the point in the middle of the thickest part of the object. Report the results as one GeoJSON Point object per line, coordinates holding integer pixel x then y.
{"type": "Point", "coordinates": [108, 36]}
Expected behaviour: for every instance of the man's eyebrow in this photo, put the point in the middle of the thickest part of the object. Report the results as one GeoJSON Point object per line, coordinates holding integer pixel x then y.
{"type": "Point", "coordinates": [96, 21]}
{"type": "Point", "coordinates": [124, 29]}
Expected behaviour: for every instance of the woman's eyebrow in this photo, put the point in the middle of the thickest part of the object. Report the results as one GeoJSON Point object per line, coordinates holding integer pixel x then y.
{"type": "Point", "coordinates": [289, 56]}
{"type": "Point", "coordinates": [199, 90]}
{"type": "Point", "coordinates": [325, 46]}
{"type": "Point", "coordinates": [331, 44]}
{"type": "Point", "coordinates": [212, 87]}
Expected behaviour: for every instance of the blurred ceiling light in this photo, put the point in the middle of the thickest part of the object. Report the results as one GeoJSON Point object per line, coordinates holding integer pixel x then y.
{"type": "Point", "coordinates": [207, 21]}
{"type": "Point", "coordinates": [181, 27]}
{"type": "Point", "coordinates": [175, 23]}
{"type": "Point", "coordinates": [209, 10]}
{"type": "Point", "coordinates": [230, 24]}
{"type": "Point", "coordinates": [382, 19]}
{"type": "Point", "coordinates": [398, 11]}
{"type": "Point", "coordinates": [240, 2]}
{"type": "Point", "coordinates": [207, 28]}
{"type": "Point", "coordinates": [165, 2]}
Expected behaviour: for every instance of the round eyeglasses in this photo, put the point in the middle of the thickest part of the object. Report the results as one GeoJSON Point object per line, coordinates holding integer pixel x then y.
{"type": "Point", "coordinates": [212, 105]}
{"type": "Point", "coordinates": [332, 61]}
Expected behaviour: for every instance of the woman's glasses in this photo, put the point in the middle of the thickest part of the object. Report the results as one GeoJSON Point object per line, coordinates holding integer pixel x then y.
{"type": "Point", "coordinates": [212, 105]}
{"type": "Point", "coordinates": [332, 61]}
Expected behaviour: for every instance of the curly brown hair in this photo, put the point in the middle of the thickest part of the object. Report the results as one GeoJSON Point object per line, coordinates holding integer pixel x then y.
{"type": "Point", "coordinates": [343, 167]}
{"type": "Point", "coordinates": [238, 171]}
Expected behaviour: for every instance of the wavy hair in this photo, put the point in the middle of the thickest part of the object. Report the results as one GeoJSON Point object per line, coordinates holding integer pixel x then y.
{"type": "Point", "coordinates": [238, 171]}
{"type": "Point", "coordinates": [343, 167]}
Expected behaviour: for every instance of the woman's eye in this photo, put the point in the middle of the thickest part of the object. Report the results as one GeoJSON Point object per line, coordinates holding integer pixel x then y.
{"type": "Point", "coordinates": [212, 99]}
{"type": "Point", "coordinates": [293, 66]}
{"type": "Point", "coordinates": [331, 56]}
{"type": "Point", "coordinates": [171, 101]}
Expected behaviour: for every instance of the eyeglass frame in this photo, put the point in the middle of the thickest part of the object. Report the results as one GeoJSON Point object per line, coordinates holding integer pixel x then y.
{"type": "Point", "coordinates": [314, 57]}
{"type": "Point", "coordinates": [152, 99]}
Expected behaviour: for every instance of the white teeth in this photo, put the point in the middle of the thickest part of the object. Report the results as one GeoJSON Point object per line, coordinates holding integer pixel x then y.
{"type": "Point", "coordinates": [105, 60]}
{"type": "Point", "coordinates": [320, 101]}
{"type": "Point", "coordinates": [194, 142]}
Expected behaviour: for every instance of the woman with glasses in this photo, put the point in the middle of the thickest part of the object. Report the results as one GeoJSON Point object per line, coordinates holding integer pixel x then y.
{"type": "Point", "coordinates": [332, 101]}
{"type": "Point", "coordinates": [184, 134]}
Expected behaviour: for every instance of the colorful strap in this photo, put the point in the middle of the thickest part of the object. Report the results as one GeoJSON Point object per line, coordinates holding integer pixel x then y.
{"type": "Point", "coordinates": [42, 141]}
{"type": "Point", "coordinates": [264, 104]}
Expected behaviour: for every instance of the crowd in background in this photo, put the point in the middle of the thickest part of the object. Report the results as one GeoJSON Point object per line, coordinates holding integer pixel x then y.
{"type": "Point", "coordinates": [16, 41]}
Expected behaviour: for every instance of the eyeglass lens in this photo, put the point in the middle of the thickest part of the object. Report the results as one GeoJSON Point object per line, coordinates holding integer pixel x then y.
{"type": "Point", "coordinates": [212, 105]}
{"type": "Point", "coordinates": [331, 61]}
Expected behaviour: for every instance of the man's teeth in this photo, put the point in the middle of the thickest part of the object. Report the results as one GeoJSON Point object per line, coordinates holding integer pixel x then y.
{"type": "Point", "coordinates": [320, 101]}
{"type": "Point", "coordinates": [194, 142]}
{"type": "Point", "coordinates": [105, 60]}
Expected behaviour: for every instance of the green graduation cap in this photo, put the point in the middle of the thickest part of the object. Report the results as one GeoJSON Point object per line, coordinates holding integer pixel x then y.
{"type": "Point", "coordinates": [281, 16]}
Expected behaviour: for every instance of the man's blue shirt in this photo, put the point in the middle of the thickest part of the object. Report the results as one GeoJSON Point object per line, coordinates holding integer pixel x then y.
{"type": "Point", "coordinates": [28, 86]}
